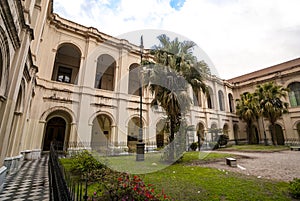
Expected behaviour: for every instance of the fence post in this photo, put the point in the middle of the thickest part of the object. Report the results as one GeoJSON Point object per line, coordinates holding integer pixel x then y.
{"type": "Point", "coordinates": [85, 197]}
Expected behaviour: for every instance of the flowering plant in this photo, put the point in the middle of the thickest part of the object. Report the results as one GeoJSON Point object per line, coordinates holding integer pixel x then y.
{"type": "Point", "coordinates": [127, 187]}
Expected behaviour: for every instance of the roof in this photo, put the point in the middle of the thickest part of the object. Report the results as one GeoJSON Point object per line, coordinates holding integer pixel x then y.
{"type": "Point", "coordinates": [272, 69]}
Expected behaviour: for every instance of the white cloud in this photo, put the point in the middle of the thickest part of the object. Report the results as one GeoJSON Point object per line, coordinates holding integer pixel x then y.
{"type": "Point", "coordinates": [238, 36]}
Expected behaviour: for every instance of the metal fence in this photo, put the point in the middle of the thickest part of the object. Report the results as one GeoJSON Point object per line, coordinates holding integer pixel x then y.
{"type": "Point", "coordinates": [108, 149]}
{"type": "Point", "coordinates": [292, 141]}
{"type": "Point", "coordinates": [58, 187]}
{"type": "Point", "coordinates": [63, 185]}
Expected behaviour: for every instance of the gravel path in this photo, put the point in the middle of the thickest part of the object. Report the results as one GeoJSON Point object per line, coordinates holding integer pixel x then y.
{"type": "Point", "coordinates": [284, 165]}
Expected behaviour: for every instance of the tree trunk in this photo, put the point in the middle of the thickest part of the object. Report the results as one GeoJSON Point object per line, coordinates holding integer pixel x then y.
{"type": "Point", "coordinates": [199, 140]}
{"type": "Point", "coordinates": [259, 132]}
{"type": "Point", "coordinates": [249, 133]}
{"type": "Point", "coordinates": [274, 136]}
{"type": "Point", "coordinates": [171, 153]}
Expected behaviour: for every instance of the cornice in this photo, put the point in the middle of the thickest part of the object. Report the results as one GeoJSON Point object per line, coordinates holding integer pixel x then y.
{"type": "Point", "coordinates": [266, 78]}
{"type": "Point", "coordinates": [92, 33]}
{"type": "Point", "coordinates": [269, 71]}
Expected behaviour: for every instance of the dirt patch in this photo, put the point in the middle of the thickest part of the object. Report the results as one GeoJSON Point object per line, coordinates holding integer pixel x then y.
{"type": "Point", "coordinates": [283, 165]}
{"type": "Point", "coordinates": [218, 160]}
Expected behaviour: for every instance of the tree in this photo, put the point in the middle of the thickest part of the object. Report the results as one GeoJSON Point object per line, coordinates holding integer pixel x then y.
{"type": "Point", "coordinates": [179, 57]}
{"type": "Point", "coordinates": [269, 97]}
{"type": "Point", "coordinates": [174, 69]}
{"type": "Point", "coordinates": [247, 109]}
{"type": "Point", "coordinates": [170, 92]}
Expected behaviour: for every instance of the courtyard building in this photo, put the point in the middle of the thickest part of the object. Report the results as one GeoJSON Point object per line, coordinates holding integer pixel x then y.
{"type": "Point", "coordinates": [64, 82]}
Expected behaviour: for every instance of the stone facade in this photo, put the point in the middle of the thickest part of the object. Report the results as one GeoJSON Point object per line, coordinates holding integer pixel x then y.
{"type": "Point", "coordinates": [61, 81]}
{"type": "Point", "coordinates": [286, 74]}
{"type": "Point", "coordinates": [17, 81]}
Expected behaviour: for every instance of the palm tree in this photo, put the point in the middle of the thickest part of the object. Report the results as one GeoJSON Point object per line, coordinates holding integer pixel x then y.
{"type": "Point", "coordinates": [269, 96]}
{"type": "Point", "coordinates": [170, 92]}
{"type": "Point", "coordinates": [247, 110]}
{"type": "Point", "coordinates": [170, 77]}
{"type": "Point", "coordinates": [179, 57]}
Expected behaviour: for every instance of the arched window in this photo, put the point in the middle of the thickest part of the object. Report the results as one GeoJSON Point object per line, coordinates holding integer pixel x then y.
{"type": "Point", "coordinates": [294, 94]}
{"type": "Point", "coordinates": [231, 102]}
{"type": "Point", "coordinates": [4, 62]}
{"type": "Point", "coordinates": [210, 103]}
{"type": "Point", "coordinates": [19, 108]}
{"type": "Point", "coordinates": [105, 72]}
{"type": "Point", "coordinates": [67, 63]}
{"type": "Point", "coordinates": [20, 101]}
{"type": "Point", "coordinates": [134, 79]}
{"type": "Point", "coordinates": [221, 100]}
{"type": "Point", "coordinates": [197, 99]}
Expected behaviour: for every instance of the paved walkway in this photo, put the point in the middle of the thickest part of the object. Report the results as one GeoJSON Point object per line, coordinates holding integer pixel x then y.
{"type": "Point", "coordinates": [30, 183]}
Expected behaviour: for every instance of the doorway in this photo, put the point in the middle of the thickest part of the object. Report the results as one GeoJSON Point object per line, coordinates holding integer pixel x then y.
{"type": "Point", "coordinates": [55, 132]}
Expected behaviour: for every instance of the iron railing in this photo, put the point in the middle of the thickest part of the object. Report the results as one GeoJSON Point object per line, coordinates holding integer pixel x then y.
{"type": "Point", "coordinates": [58, 187]}
{"type": "Point", "coordinates": [63, 185]}
{"type": "Point", "coordinates": [292, 141]}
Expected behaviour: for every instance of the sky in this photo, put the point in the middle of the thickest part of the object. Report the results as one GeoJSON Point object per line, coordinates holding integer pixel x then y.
{"type": "Point", "coordinates": [235, 36]}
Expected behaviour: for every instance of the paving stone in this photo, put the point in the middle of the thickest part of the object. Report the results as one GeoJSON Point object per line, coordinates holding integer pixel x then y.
{"type": "Point", "coordinates": [31, 182]}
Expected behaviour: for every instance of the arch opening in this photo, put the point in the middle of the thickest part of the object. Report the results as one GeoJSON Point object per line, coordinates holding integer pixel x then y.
{"type": "Point", "coordinates": [101, 133]}
{"type": "Point", "coordinates": [105, 72]}
{"type": "Point", "coordinates": [133, 133]}
{"type": "Point", "coordinates": [277, 137]}
{"type": "Point", "coordinates": [67, 64]}
{"type": "Point", "coordinates": [162, 133]}
{"type": "Point", "coordinates": [55, 133]}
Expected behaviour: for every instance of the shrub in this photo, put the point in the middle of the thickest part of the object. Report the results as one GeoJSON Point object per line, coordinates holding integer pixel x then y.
{"type": "Point", "coordinates": [294, 188]}
{"type": "Point", "coordinates": [84, 163]}
{"type": "Point", "coordinates": [194, 146]}
{"type": "Point", "coordinates": [223, 140]}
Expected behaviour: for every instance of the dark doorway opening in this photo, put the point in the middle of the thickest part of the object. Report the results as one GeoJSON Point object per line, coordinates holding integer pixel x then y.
{"type": "Point", "coordinates": [55, 132]}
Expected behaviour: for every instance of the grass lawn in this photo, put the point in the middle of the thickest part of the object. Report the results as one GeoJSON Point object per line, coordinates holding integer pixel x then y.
{"type": "Point", "coordinates": [256, 148]}
{"type": "Point", "coordinates": [152, 162]}
{"type": "Point", "coordinates": [130, 165]}
{"type": "Point", "coordinates": [182, 181]}
{"type": "Point", "coordinates": [198, 183]}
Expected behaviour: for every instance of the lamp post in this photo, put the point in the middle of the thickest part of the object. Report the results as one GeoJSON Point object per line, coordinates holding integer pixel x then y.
{"type": "Point", "coordinates": [140, 146]}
